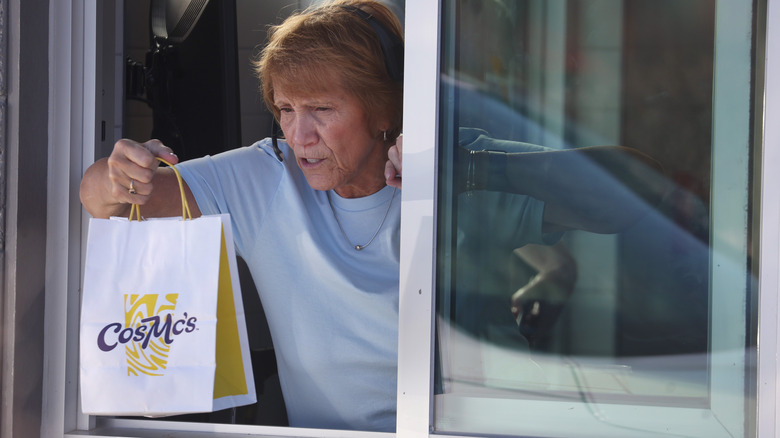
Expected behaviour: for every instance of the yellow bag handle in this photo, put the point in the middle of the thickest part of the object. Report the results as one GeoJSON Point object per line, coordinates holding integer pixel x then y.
{"type": "Point", "coordinates": [135, 209]}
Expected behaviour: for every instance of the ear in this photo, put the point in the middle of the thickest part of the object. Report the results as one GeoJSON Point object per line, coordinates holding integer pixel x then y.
{"type": "Point", "coordinates": [383, 125]}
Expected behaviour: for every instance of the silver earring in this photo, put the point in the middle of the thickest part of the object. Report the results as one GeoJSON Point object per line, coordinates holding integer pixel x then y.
{"type": "Point", "coordinates": [384, 134]}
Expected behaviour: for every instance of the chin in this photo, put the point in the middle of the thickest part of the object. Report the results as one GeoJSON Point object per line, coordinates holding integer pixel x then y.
{"type": "Point", "coordinates": [317, 184]}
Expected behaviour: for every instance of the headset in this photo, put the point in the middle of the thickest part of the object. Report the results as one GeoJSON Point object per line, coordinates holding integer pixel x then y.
{"type": "Point", "coordinates": [392, 45]}
{"type": "Point", "coordinates": [392, 50]}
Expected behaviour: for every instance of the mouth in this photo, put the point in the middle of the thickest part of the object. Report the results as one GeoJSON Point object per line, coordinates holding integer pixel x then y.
{"type": "Point", "coordinates": [310, 162]}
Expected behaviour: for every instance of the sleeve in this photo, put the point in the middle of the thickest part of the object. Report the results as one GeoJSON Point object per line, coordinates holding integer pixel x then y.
{"type": "Point", "coordinates": [241, 182]}
{"type": "Point", "coordinates": [503, 220]}
{"type": "Point", "coordinates": [475, 139]}
{"type": "Point", "coordinates": [515, 220]}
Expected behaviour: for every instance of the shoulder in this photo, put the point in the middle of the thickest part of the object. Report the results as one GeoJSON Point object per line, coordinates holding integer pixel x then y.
{"type": "Point", "coordinates": [261, 152]}
{"type": "Point", "coordinates": [248, 162]}
{"type": "Point", "coordinates": [221, 181]}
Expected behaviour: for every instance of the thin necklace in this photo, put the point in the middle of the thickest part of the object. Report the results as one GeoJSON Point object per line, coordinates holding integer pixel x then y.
{"type": "Point", "coordinates": [360, 247]}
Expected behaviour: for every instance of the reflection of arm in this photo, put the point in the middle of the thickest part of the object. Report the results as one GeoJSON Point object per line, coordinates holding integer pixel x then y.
{"type": "Point", "coordinates": [555, 278]}
{"type": "Point", "coordinates": [601, 189]}
{"type": "Point", "coordinates": [538, 303]}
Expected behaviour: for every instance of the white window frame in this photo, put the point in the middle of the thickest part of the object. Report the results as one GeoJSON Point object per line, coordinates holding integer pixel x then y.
{"type": "Point", "coordinates": [418, 216]}
{"type": "Point", "coordinates": [72, 128]}
{"type": "Point", "coordinates": [768, 393]}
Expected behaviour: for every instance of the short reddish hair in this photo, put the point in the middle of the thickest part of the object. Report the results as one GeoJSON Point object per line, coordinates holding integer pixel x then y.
{"type": "Point", "coordinates": [329, 45]}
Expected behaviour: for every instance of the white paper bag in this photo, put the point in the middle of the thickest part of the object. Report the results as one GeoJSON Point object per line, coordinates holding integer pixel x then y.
{"type": "Point", "coordinates": [162, 320]}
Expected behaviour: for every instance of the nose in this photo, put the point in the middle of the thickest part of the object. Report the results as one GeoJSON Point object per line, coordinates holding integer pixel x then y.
{"type": "Point", "coordinates": [301, 130]}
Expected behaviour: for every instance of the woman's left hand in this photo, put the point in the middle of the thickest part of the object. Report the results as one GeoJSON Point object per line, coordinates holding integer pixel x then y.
{"type": "Point", "coordinates": [393, 165]}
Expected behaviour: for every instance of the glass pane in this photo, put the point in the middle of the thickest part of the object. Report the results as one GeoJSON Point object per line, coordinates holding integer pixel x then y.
{"type": "Point", "coordinates": [585, 289]}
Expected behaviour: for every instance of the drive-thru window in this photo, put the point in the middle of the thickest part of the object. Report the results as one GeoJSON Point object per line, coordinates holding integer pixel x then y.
{"type": "Point", "coordinates": [651, 329]}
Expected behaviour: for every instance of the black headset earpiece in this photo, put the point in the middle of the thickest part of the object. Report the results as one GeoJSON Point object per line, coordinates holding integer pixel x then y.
{"type": "Point", "coordinates": [275, 131]}
{"type": "Point", "coordinates": [392, 45]}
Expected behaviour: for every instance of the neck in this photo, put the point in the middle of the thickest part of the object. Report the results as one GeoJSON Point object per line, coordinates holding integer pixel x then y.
{"type": "Point", "coordinates": [369, 182]}
{"type": "Point", "coordinates": [359, 192]}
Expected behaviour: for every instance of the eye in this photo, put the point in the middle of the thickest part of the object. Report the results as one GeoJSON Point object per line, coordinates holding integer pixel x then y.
{"type": "Point", "coordinates": [322, 108]}
{"type": "Point", "coordinates": [285, 109]}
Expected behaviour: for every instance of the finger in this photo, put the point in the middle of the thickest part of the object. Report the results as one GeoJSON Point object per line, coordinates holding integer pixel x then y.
{"type": "Point", "coordinates": [131, 167]}
{"type": "Point", "coordinates": [393, 166]}
{"type": "Point", "coordinates": [394, 155]}
{"type": "Point", "coordinates": [131, 160]}
{"type": "Point", "coordinates": [158, 149]}
{"type": "Point", "coordinates": [128, 153]}
{"type": "Point", "coordinates": [137, 188]}
{"type": "Point", "coordinates": [392, 177]}
{"type": "Point", "coordinates": [138, 193]}
{"type": "Point", "coordinates": [128, 190]}
{"type": "Point", "coordinates": [122, 192]}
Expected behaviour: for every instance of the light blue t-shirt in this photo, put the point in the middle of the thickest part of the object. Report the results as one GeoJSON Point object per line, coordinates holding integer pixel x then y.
{"type": "Point", "coordinates": [332, 310]}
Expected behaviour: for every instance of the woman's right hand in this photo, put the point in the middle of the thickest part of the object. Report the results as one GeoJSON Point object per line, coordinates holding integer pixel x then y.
{"type": "Point", "coordinates": [132, 165]}
{"type": "Point", "coordinates": [106, 186]}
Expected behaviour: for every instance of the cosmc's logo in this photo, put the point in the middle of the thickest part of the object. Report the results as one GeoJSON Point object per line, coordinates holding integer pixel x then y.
{"type": "Point", "coordinates": [148, 331]}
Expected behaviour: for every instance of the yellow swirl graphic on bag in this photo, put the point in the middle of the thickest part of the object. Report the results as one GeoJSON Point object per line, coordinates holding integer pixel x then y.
{"type": "Point", "coordinates": [148, 332]}
{"type": "Point", "coordinates": [152, 360]}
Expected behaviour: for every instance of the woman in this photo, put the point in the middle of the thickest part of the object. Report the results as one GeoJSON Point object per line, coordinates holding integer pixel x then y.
{"type": "Point", "coordinates": [319, 228]}
{"type": "Point", "coordinates": [316, 215]}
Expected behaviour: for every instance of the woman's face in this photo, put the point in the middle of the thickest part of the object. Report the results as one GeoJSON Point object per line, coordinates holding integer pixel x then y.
{"type": "Point", "coordinates": [333, 144]}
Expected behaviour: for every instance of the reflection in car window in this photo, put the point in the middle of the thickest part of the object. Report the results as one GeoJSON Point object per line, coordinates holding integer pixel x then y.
{"type": "Point", "coordinates": [537, 299]}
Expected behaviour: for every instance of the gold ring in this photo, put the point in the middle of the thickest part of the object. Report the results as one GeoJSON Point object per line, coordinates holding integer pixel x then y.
{"type": "Point", "coordinates": [131, 190]}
